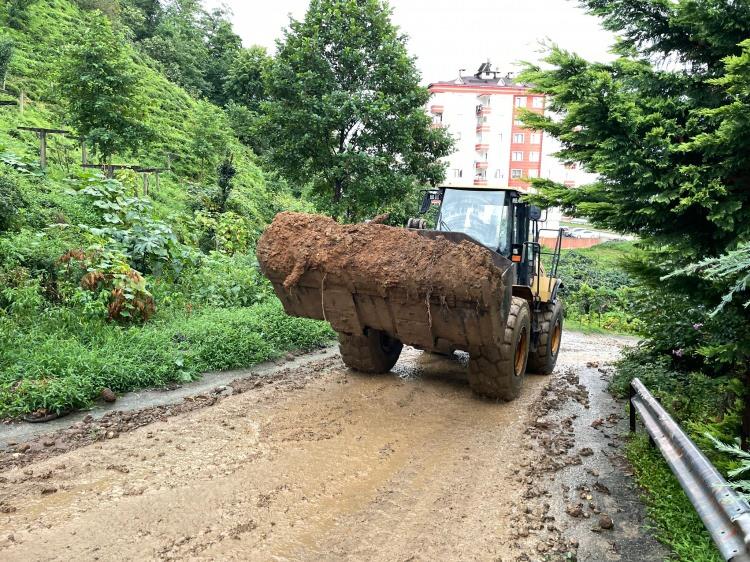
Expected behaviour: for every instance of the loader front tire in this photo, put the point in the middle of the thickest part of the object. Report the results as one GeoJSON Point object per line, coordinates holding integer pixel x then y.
{"type": "Point", "coordinates": [543, 357]}
{"type": "Point", "coordinates": [374, 352]}
{"type": "Point", "coordinates": [499, 372]}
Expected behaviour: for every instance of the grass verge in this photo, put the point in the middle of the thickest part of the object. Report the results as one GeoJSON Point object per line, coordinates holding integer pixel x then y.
{"type": "Point", "coordinates": [675, 521]}
{"type": "Point", "coordinates": [60, 361]}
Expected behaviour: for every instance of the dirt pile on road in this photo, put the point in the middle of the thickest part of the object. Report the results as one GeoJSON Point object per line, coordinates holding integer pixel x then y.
{"type": "Point", "coordinates": [375, 257]}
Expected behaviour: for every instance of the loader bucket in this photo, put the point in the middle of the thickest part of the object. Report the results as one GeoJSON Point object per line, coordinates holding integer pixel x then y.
{"type": "Point", "coordinates": [437, 291]}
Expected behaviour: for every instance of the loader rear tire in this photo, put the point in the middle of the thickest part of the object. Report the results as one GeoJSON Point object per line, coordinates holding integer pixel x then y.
{"type": "Point", "coordinates": [374, 352]}
{"type": "Point", "coordinates": [543, 357]}
{"type": "Point", "coordinates": [499, 372]}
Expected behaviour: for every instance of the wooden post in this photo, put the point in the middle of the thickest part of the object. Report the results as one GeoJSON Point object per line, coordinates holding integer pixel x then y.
{"type": "Point", "coordinates": [145, 183]}
{"type": "Point", "coordinates": [84, 153]}
{"type": "Point", "coordinates": [43, 149]}
{"type": "Point", "coordinates": [22, 101]}
{"type": "Point", "coordinates": [157, 181]}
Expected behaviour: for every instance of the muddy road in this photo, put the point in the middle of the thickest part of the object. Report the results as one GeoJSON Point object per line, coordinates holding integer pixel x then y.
{"type": "Point", "coordinates": [315, 462]}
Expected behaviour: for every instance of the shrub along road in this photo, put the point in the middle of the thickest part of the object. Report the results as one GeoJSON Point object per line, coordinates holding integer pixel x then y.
{"type": "Point", "coordinates": [313, 461]}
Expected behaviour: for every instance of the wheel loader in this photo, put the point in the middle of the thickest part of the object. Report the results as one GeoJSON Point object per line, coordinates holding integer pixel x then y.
{"type": "Point", "coordinates": [476, 283]}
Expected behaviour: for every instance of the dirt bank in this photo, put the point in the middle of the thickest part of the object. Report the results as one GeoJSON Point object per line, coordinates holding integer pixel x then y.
{"type": "Point", "coordinates": [295, 243]}
{"type": "Point", "coordinates": [318, 463]}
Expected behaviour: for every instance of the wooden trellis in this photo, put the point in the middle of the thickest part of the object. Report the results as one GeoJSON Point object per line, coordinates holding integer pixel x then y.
{"type": "Point", "coordinates": [109, 171]}
{"type": "Point", "coordinates": [145, 175]}
{"type": "Point", "coordinates": [42, 133]}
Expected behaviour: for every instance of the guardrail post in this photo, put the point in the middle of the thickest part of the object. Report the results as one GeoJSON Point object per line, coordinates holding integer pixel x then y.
{"type": "Point", "coordinates": [631, 408]}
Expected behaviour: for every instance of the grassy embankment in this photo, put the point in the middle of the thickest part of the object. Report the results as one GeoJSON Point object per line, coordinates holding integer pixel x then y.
{"type": "Point", "coordinates": [58, 348]}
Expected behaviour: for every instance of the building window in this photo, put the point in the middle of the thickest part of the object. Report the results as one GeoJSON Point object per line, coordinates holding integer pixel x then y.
{"type": "Point", "coordinates": [516, 156]}
{"type": "Point", "coordinates": [536, 138]}
{"type": "Point", "coordinates": [537, 102]}
{"type": "Point", "coordinates": [515, 174]}
{"type": "Point", "coordinates": [521, 101]}
{"type": "Point", "coordinates": [518, 138]}
{"type": "Point", "coordinates": [533, 156]}
{"type": "Point", "coordinates": [437, 118]}
{"type": "Point", "coordinates": [499, 174]}
{"type": "Point", "coordinates": [533, 173]}
{"type": "Point", "coordinates": [458, 173]}
{"type": "Point", "coordinates": [518, 122]}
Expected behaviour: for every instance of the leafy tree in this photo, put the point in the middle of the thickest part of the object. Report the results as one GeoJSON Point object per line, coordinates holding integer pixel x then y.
{"type": "Point", "coordinates": [102, 90]}
{"type": "Point", "coordinates": [211, 138]}
{"type": "Point", "coordinates": [178, 44]}
{"type": "Point", "coordinates": [141, 16]}
{"type": "Point", "coordinates": [244, 90]}
{"type": "Point", "coordinates": [223, 44]}
{"type": "Point", "coordinates": [244, 80]}
{"type": "Point", "coordinates": [346, 111]}
{"type": "Point", "coordinates": [195, 48]}
{"type": "Point", "coordinates": [729, 143]}
{"type": "Point", "coordinates": [6, 53]}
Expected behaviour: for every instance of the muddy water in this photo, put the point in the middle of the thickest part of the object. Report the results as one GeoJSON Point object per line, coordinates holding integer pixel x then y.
{"type": "Point", "coordinates": [325, 465]}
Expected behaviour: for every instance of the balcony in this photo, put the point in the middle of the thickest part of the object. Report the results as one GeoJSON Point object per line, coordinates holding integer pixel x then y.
{"type": "Point", "coordinates": [436, 109]}
{"type": "Point", "coordinates": [481, 147]}
{"type": "Point", "coordinates": [481, 164]}
{"type": "Point", "coordinates": [483, 110]}
{"type": "Point", "coordinates": [437, 125]}
{"type": "Point", "coordinates": [480, 181]}
{"type": "Point", "coordinates": [483, 128]}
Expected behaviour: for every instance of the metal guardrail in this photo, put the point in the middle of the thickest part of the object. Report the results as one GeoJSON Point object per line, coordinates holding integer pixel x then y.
{"type": "Point", "coordinates": [724, 513]}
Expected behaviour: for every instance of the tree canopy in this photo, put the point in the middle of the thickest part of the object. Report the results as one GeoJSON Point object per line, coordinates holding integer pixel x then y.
{"type": "Point", "coordinates": [103, 91]}
{"type": "Point", "coordinates": [346, 112]}
{"type": "Point", "coordinates": [243, 83]}
{"type": "Point", "coordinates": [654, 123]}
{"type": "Point", "coordinates": [195, 48]}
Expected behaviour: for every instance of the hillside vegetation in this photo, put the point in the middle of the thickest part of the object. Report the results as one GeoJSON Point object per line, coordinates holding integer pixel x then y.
{"type": "Point", "coordinates": [102, 286]}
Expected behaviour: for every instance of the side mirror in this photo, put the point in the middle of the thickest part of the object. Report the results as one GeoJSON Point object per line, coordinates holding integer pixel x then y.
{"type": "Point", "coordinates": [426, 202]}
{"type": "Point", "coordinates": [535, 213]}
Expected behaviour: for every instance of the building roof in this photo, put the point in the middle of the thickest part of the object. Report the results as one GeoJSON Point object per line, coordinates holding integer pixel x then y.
{"type": "Point", "coordinates": [484, 77]}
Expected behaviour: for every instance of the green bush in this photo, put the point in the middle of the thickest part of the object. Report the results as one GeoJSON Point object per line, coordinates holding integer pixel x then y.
{"type": "Point", "coordinates": [224, 281]}
{"type": "Point", "coordinates": [11, 201]}
{"type": "Point", "coordinates": [688, 396]}
{"type": "Point", "coordinates": [597, 292]}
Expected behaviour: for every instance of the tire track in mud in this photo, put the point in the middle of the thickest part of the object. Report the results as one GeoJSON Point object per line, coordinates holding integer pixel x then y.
{"type": "Point", "coordinates": [317, 462]}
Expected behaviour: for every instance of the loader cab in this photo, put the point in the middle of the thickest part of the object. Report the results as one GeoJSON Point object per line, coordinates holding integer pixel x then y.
{"type": "Point", "coordinates": [496, 218]}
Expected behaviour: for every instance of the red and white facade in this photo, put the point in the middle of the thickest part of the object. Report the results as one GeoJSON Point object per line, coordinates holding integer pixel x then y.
{"type": "Point", "coordinates": [492, 148]}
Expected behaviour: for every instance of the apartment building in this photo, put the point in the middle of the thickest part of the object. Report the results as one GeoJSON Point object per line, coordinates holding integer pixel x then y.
{"type": "Point", "coordinates": [493, 148]}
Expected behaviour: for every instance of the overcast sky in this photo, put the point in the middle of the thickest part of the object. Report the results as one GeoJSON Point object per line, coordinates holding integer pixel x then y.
{"type": "Point", "coordinates": [446, 35]}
